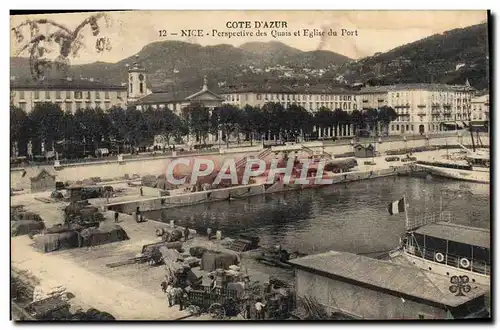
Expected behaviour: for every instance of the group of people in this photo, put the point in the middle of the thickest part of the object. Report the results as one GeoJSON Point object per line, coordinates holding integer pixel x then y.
{"type": "Point", "coordinates": [175, 294]}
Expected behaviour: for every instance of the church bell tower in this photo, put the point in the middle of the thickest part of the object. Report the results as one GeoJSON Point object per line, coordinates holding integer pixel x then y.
{"type": "Point", "coordinates": [136, 81]}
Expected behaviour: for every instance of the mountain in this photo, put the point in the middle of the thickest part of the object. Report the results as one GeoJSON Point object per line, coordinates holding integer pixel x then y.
{"type": "Point", "coordinates": [191, 62]}
{"type": "Point", "coordinates": [450, 57]}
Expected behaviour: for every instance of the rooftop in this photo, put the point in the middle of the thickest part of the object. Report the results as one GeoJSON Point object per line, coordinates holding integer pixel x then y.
{"type": "Point", "coordinates": [405, 280]}
{"type": "Point", "coordinates": [63, 84]}
{"type": "Point", "coordinates": [275, 88]}
{"type": "Point", "coordinates": [164, 97]}
{"type": "Point", "coordinates": [457, 233]}
{"type": "Point", "coordinates": [419, 86]}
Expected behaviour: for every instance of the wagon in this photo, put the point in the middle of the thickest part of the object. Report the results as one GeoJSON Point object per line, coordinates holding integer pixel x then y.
{"type": "Point", "coordinates": [218, 302]}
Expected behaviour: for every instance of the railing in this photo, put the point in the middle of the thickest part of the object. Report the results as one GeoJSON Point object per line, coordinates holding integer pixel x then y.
{"type": "Point", "coordinates": [476, 266]}
{"type": "Point", "coordinates": [429, 218]}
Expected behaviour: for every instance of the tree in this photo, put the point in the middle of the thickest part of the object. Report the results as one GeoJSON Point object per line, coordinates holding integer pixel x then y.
{"type": "Point", "coordinates": [275, 115]}
{"type": "Point", "coordinates": [370, 116]}
{"type": "Point", "coordinates": [252, 122]}
{"type": "Point", "coordinates": [339, 117]}
{"type": "Point", "coordinates": [118, 127]}
{"type": "Point", "coordinates": [172, 125]}
{"type": "Point", "coordinates": [197, 118]}
{"type": "Point", "coordinates": [357, 120]}
{"type": "Point", "coordinates": [299, 122]}
{"type": "Point", "coordinates": [19, 129]}
{"type": "Point", "coordinates": [46, 121]}
{"type": "Point", "coordinates": [386, 115]}
{"type": "Point", "coordinates": [227, 118]}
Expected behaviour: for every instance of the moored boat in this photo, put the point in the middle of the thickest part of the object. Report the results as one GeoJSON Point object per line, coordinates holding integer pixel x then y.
{"type": "Point", "coordinates": [447, 249]}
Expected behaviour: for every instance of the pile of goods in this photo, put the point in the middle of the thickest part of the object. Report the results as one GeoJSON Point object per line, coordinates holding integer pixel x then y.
{"type": "Point", "coordinates": [24, 222]}
{"type": "Point", "coordinates": [276, 256]}
{"type": "Point", "coordinates": [83, 214]}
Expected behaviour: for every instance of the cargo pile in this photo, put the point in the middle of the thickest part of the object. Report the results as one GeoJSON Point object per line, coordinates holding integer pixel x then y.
{"type": "Point", "coordinates": [25, 223]}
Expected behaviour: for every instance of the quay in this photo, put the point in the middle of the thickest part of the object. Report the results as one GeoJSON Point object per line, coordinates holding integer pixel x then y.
{"type": "Point", "coordinates": [124, 291]}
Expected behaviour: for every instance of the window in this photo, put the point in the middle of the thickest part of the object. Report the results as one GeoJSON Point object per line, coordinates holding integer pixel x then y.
{"type": "Point", "coordinates": [47, 95]}
{"type": "Point", "coordinates": [355, 107]}
{"type": "Point", "coordinates": [392, 128]}
{"type": "Point", "coordinates": [78, 95]}
{"type": "Point", "coordinates": [97, 95]}
{"type": "Point", "coordinates": [421, 316]}
{"type": "Point", "coordinates": [21, 95]}
{"type": "Point", "coordinates": [288, 97]}
{"type": "Point", "coordinates": [68, 95]}
{"type": "Point", "coordinates": [131, 88]}
{"type": "Point", "coordinates": [106, 95]}
{"type": "Point", "coordinates": [68, 106]}
{"type": "Point", "coordinates": [37, 95]}
{"type": "Point", "coordinates": [141, 88]}
{"type": "Point", "coordinates": [397, 127]}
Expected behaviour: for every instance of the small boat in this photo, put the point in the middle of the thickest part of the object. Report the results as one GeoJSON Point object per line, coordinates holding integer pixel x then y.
{"type": "Point", "coordinates": [456, 170]}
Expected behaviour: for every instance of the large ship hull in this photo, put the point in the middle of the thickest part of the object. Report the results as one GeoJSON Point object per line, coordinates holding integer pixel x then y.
{"type": "Point", "coordinates": [458, 174]}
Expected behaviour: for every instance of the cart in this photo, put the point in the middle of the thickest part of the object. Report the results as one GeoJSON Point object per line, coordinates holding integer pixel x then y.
{"type": "Point", "coordinates": [217, 302]}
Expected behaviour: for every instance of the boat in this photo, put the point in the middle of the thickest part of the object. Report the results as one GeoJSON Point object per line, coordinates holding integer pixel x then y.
{"type": "Point", "coordinates": [473, 166]}
{"type": "Point", "coordinates": [446, 248]}
{"type": "Point", "coordinates": [456, 170]}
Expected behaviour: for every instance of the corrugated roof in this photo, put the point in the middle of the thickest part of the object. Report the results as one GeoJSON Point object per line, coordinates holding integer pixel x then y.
{"type": "Point", "coordinates": [458, 233]}
{"type": "Point", "coordinates": [63, 84]}
{"type": "Point", "coordinates": [406, 280]}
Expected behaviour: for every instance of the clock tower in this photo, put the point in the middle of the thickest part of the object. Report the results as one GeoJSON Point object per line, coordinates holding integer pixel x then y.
{"type": "Point", "coordinates": [136, 82]}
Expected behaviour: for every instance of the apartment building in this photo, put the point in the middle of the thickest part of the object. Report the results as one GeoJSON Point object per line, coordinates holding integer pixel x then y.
{"type": "Point", "coordinates": [480, 108]}
{"type": "Point", "coordinates": [310, 98]}
{"type": "Point", "coordinates": [68, 93]}
{"type": "Point", "coordinates": [422, 108]}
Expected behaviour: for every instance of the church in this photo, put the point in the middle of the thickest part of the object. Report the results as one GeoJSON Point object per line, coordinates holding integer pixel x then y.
{"type": "Point", "coordinates": [142, 98]}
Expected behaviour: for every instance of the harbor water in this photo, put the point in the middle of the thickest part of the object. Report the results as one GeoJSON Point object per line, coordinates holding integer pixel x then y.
{"type": "Point", "coordinates": [353, 217]}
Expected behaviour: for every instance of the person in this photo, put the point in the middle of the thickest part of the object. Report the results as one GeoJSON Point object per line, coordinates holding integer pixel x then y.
{"type": "Point", "coordinates": [183, 300]}
{"type": "Point", "coordinates": [116, 217]}
{"type": "Point", "coordinates": [142, 193]}
{"type": "Point", "coordinates": [259, 309]}
{"type": "Point", "coordinates": [209, 232]}
{"type": "Point", "coordinates": [186, 234]}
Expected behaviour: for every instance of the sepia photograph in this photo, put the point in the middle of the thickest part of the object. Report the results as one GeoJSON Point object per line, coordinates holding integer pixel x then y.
{"type": "Point", "coordinates": [251, 165]}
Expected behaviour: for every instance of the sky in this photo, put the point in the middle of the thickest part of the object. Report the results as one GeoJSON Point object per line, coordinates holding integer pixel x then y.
{"type": "Point", "coordinates": [372, 31]}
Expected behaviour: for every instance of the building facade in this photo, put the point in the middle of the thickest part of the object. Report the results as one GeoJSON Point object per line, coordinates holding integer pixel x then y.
{"type": "Point", "coordinates": [310, 98]}
{"type": "Point", "coordinates": [481, 108]}
{"type": "Point", "coordinates": [422, 108]}
{"type": "Point", "coordinates": [68, 93]}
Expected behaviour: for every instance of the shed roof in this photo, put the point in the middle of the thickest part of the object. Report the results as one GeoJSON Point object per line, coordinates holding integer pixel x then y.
{"type": "Point", "coordinates": [457, 233]}
{"type": "Point", "coordinates": [43, 173]}
{"type": "Point", "coordinates": [405, 280]}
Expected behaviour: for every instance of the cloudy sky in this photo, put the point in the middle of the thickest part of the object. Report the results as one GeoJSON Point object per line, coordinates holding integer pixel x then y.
{"type": "Point", "coordinates": [377, 31]}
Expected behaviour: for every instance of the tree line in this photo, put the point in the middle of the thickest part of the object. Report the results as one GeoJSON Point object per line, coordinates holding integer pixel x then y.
{"type": "Point", "coordinates": [125, 130]}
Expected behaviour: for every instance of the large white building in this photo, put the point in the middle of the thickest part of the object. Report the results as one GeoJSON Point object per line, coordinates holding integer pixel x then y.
{"type": "Point", "coordinates": [422, 108]}
{"type": "Point", "coordinates": [310, 98]}
{"type": "Point", "coordinates": [70, 94]}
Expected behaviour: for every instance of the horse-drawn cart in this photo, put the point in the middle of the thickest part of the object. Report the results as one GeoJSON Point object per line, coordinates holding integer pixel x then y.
{"type": "Point", "coordinates": [217, 302]}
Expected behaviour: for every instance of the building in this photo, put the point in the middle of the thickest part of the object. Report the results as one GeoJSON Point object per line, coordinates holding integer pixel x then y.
{"type": "Point", "coordinates": [422, 108]}
{"type": "Point", "coordinates": [69, 94]}
{"type": "Point", "coordinates": [367, 288]}
{"type": "Point", "coordinates": [310, 98]}
{"type": "Point", "coordinates": [43, 181]}
{"type": "Point", "coordinates": [480, 108]}
{"type": "Point", "coordinates": [142, 98]}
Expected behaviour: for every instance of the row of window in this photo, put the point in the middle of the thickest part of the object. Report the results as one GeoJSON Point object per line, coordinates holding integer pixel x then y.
{"type": "Point", "coordinates": [78, 95]}
{"type": "Point", "coordinates": [68, 106]}
{"type": "Point", "coordinates": [300, 97]}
